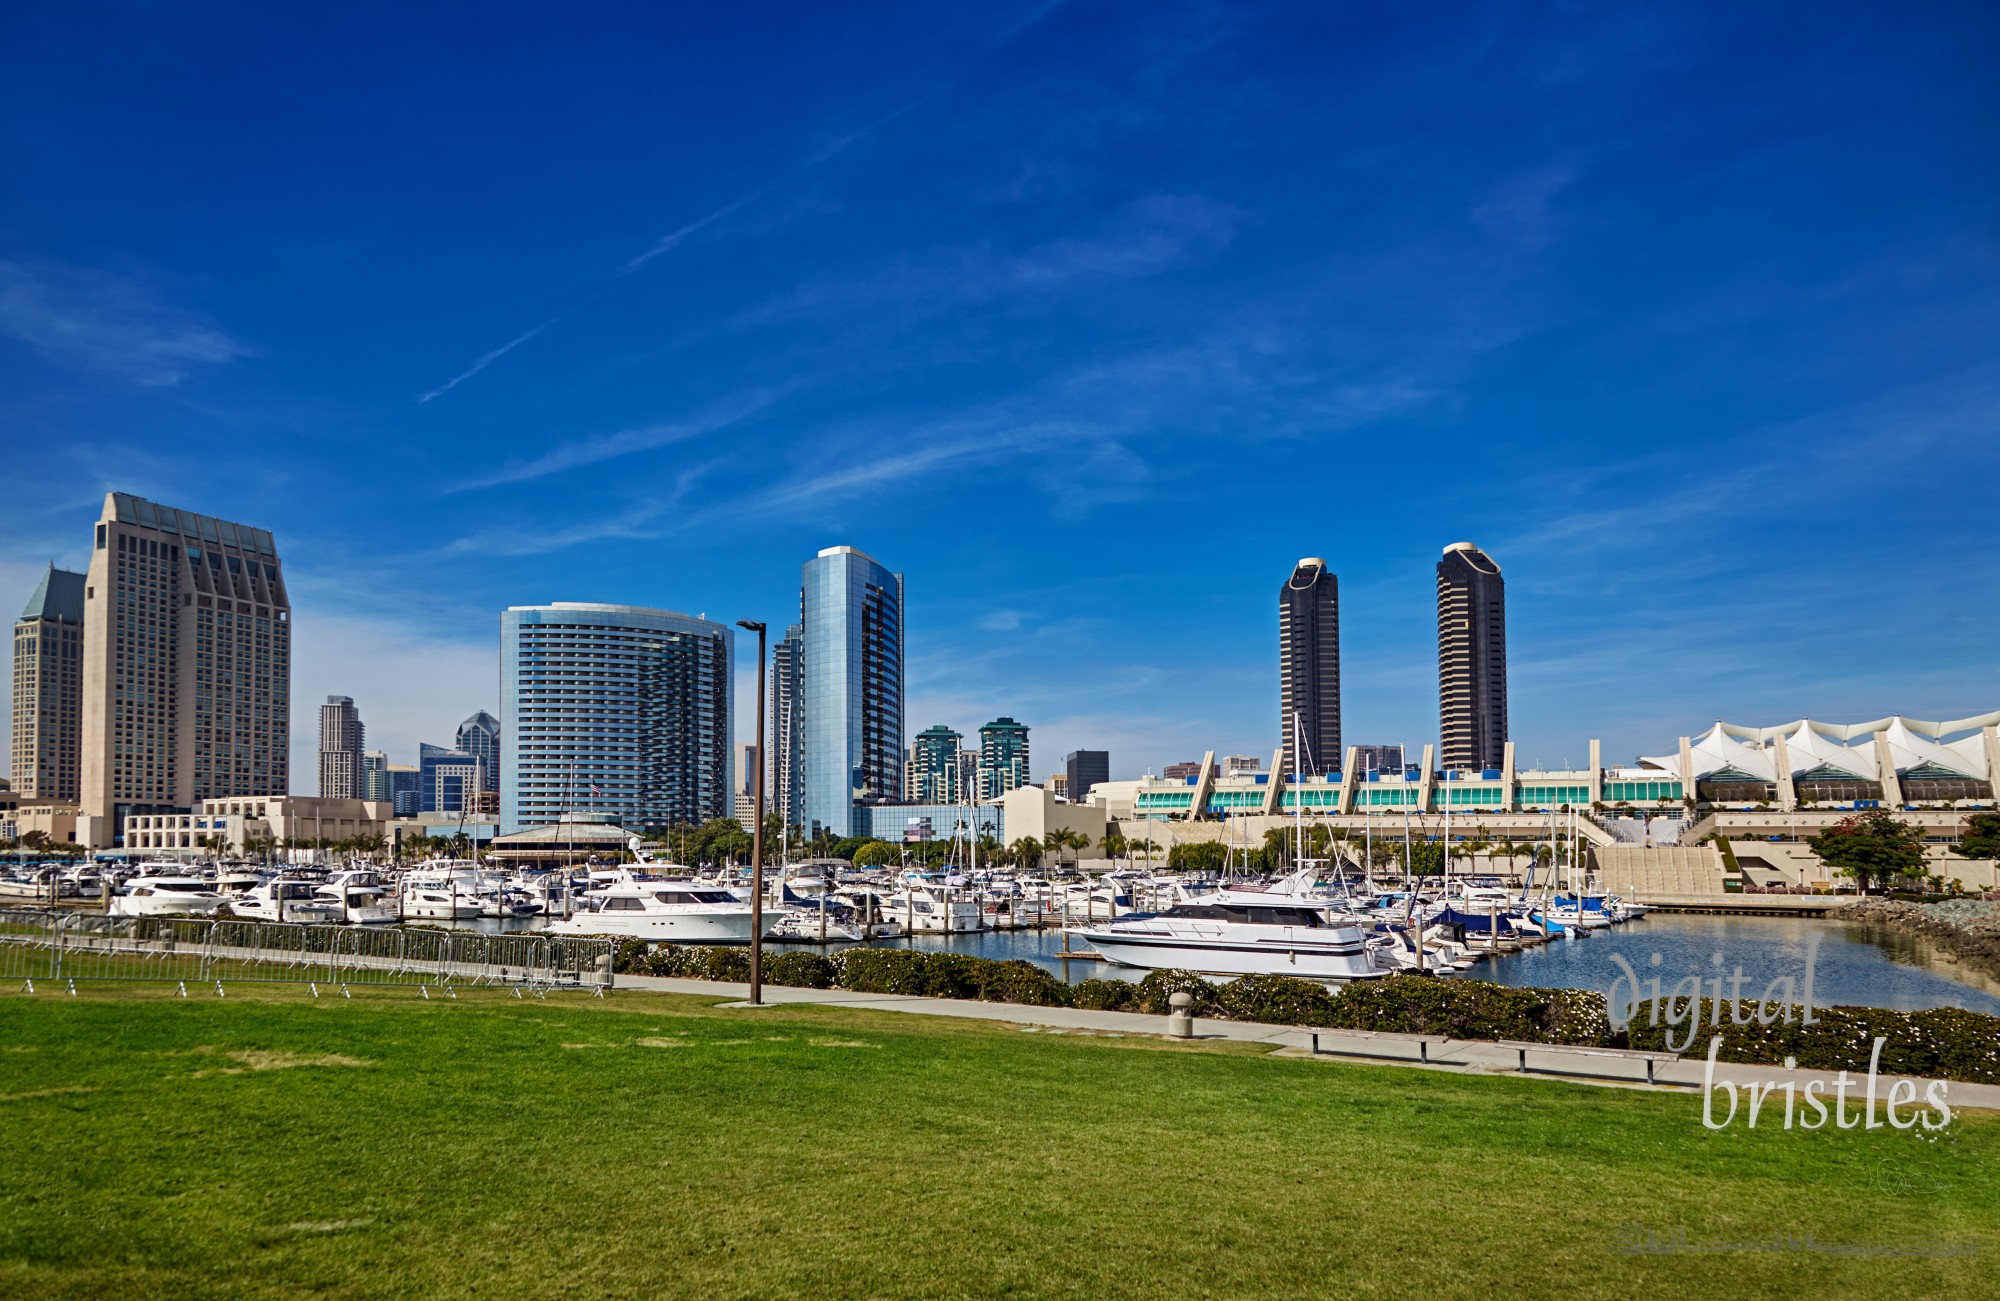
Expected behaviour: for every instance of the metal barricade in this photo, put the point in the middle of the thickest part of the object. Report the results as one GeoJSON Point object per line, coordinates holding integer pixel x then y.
{"type": "Point", "coordinates": [66, 947]}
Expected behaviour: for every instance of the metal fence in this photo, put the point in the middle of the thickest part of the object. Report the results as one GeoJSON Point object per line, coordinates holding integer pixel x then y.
{"type": "Point", "coordinates": [66, 947]}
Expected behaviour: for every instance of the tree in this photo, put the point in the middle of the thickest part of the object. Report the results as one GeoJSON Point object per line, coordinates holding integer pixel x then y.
{"type": "Point", "coordinates": [1027, 852]}
{"type": "Point", "coordinates": [1204, 856]}
{"type": "Point", "coordinates": [36, 841]}
{"type": "Point", "coordinates": [877, 853]}
{"type": "Point", "coordinates": [1871, 847]}
{"type": "Point", "coordinates": [1113, 845]}
{"type": "Point", "coordinates": [1982, 837]}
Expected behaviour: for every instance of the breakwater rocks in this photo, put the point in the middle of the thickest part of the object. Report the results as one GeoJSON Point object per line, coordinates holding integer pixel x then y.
{"type": "Point", "coordinates": [1968, 929]}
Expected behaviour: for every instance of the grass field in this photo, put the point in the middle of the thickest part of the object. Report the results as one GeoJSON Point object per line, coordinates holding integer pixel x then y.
{"type": "Point", "coordinates": [654, 1146]}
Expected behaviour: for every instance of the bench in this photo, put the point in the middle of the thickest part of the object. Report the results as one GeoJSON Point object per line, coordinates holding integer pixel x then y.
{"type": "Point", "coordinates": [1422, 1041]}
{"type": "Point", "coordinates": [1651, 1059]}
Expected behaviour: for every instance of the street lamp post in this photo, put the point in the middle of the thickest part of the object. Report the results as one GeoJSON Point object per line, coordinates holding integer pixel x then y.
{"type": "Point", "coordinates": [757, 831]}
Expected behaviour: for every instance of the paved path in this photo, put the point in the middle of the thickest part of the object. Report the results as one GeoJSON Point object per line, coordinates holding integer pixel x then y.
{"type": "Point", "coordinates": [1455, 1055]}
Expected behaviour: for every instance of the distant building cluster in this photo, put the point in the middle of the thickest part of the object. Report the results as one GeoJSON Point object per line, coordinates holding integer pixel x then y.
{"type": "Point", "coordinates": [152, 712]}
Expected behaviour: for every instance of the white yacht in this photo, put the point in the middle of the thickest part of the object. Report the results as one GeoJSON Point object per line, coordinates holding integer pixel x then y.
{"type": "Point", "coordinates": [1244, 933]}
{"type": "Point", "coordinates": [284, 901]}
{"type": "Point", "coordinates": [362, 897]}
{"type": "Point", "coordinates": [160, 896]}
{"type": "Point", "coordinates": [672, 912]}
{"type": "Point", "coordinates": [922, 909]}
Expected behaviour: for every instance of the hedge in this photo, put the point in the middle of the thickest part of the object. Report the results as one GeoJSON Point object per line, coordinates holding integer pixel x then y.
{"type": "Point", "coordinates": [1947, 1043]}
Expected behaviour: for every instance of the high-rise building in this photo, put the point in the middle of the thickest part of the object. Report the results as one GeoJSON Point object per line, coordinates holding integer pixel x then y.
{"type": "Point", "coordinates": [1309, 667]}
{"type": "Point", "coordinates": [405, 789]}
{"type": "Point", "coordinates": [1057, 784]}
{"type": "Point", "coordinates": [1181, 771]}
{"type": "Point", "coordinates": [1472, 659]}
{"type": "Point", "coordinates": [48, 690]}
{"type": "Point", "coordinates": [187, 663]}
{"type": "Point", "coordinates": [479, 736]}
{"type": "Point", "coordinates": [1085, 769]}
{"type": "Point", "coordinates": [448, 780]}
{"type": "Point", "coordinates": [934, 776]}
{"type": "Point", "coordinates": [375, 776]}
{"type": "Point", "coordinates": [615, 709]}
{"type": "Point", "coordinates": [851, 686]}
{"type": "Point", "coordinates": [1239, 765]}
{"type": "Point", "coordinates": [340, 746]}
{"type": "Point", "coordinates": [1003, 758]}
{"type": "Point", "coordinates": [784, 777]}
{"type": "Point", "coordinates": [1378, 758]}
{"type": "Point", "coordinates": [746, 792]}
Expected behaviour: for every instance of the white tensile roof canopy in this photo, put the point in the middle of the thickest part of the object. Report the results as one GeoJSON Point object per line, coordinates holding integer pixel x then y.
{"type": "Point", "coordinates": [1954, 746]}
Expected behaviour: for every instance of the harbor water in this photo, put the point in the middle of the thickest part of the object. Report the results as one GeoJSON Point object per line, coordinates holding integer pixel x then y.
{"type": "Point", "coordinates": [1852, 965]}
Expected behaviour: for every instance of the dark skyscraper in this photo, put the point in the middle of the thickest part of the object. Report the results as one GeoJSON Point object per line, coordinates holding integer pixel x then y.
{"type": "Point", "coordinates": [1084, 769]}
{"type": "Point", "coordinates": [1472, 658]}
{"type": "Point", "coordinates": [1309, 667]}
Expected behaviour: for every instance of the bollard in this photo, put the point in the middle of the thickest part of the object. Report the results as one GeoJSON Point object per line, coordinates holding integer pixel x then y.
{"type": "Point", "coordinates": [1180, 1024]}
{"type": "Point", "coordinates": [604, 971]}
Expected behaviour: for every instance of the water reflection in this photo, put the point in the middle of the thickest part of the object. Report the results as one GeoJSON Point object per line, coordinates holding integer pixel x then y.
{"type": "Point", "coordinates": [1860, 966]}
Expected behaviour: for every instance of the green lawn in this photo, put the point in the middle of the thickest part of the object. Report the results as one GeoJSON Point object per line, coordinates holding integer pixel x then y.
{"type": "Point", "coordinates": [652, 1146]}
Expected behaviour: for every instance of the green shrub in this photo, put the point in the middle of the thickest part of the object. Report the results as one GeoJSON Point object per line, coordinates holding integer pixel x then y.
{"type": "Point", "coordinates": [800, 970]}
{"type": "Point", "coordinates": [1016, 981]}
{"type": "Point", "coordinates": [1161, 985]}
{"type": "Point", "coordinates": [1276, 1000]}
{"type": "Point", "coordinates": [1471, 1009]}
{"type": "Point", "coordinates": [1106, 995]}
{"type": "Point", "coordinates": [1942, 1043]}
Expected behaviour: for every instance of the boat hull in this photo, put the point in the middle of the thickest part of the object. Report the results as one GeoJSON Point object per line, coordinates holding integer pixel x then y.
{"type": "Point", "coordinates": [1341, 960]}
{"type": "Point", "coordinates": [684, 928]}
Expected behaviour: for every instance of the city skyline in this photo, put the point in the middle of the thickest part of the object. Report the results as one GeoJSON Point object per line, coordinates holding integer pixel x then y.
{"type": "Point", "coordinates": [1100, 288]}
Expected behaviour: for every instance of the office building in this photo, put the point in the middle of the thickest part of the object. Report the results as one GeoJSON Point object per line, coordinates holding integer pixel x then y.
{"type": "Point", "coordinates": [1057, 784]}
{"type": "Point", "coordinates": [187, 679]}
{"type": "Point", "coordinates": [448, 781]}
{"type": "Point", "coordinates": [1181, 771]}
{"type": "Point", "coordinates": [375, 776]}
{"type": "Point", "coordinates": [1309, 668]}
{"type": "Point", "coordinates": [1472, 659]}
{"type": "Point", "coordinates": [613, 709]}
{"type": "Point", "coordinates": [48, 691]}
{"type": "Point", "coordinates": [340, 748]}
{"type": "Point", "coordinates": [1084, 769]}
{"type": "Point", "coordinates": [1236, 765]}
{"type": "Point", "coordinates": [935, 776]}
{"type": "Point", "coordinates": [1378, 758]}
{"type": "Point", "coordinates": [405, 789]}
{"type": "Point", "coordinates": [851, 687]}
{"type": "Point", "coordinates": [746, 791]}
{"type": "Point", "coordinates": [1003, 758]}
{"type": "Point", "coordinates": [479, 736]}
{"type": "Point", "coordinates": [784, 776]}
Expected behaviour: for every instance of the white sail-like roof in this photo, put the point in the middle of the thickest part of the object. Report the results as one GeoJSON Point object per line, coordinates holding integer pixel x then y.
{"type": "Point", "coordinates": [1954, 745]}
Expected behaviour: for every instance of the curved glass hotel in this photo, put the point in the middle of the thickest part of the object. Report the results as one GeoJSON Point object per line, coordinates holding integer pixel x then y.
{"type": "Point", "coordinates": [850, 728]}
{"type": "Point", "coordinates": [613, 709]}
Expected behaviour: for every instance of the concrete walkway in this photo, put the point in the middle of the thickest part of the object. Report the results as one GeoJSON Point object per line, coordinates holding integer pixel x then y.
{"type": "Point", "coordinates": [1454, 1055]}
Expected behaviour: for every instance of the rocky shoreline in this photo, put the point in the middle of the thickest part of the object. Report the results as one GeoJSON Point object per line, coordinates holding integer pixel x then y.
{"type": "Point", "coordinates": [1968, 929]}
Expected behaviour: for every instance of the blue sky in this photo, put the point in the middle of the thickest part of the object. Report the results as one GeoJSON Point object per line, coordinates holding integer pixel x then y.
{"type": "Point", "coordinates": [1089, 317]}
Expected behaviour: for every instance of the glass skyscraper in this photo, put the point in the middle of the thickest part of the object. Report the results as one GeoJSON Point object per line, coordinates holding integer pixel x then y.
{"type": "Point", "coordinates": [613, 709]}
{"type": "Point", "coordinates": [1309, 669]}
{"type": "Point", "coordinates": [1472, 659]}
{"type": "Point", "coordinates": [851, 688]}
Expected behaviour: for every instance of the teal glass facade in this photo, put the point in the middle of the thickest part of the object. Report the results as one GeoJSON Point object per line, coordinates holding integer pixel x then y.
{"type": "Point", "coordinates": [851, 688]}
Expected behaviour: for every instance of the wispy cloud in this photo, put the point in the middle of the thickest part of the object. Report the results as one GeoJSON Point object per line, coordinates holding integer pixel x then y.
{"type": "Point", "coordinates": [831, 149]}
{"type": "Point", "coordinates": [739, 408]}
{"type": "Point", "coordinates": [490, 358]}
{"type": "Point", "coordinates": [95, 321]}
{"type": "Point", "coordinates": [1149, 236]}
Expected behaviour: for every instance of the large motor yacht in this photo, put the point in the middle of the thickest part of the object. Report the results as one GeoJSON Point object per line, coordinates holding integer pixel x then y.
{"type": "Point", "coordinates": [672, 912]}
{"type": "Point", "coordinates": [1282, 931]}
{"type": "Point", "coordinates": [164, 895]}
